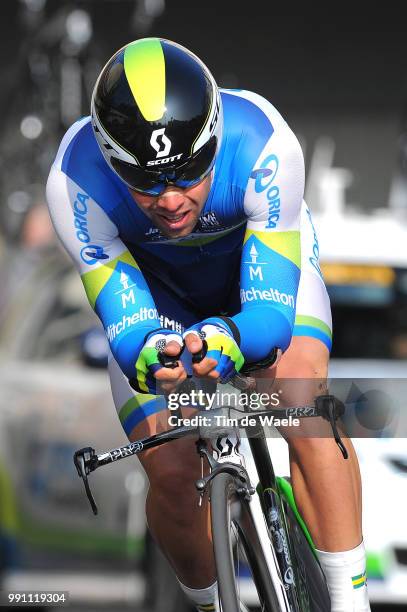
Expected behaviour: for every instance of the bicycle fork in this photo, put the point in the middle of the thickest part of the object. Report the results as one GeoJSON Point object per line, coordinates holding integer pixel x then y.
{"type": "Point", "coordinates": [278, 532]}
{"type": "Point", "coordinates": [226, 456]}
{"type": "Point", "coordinates": [272, 512]}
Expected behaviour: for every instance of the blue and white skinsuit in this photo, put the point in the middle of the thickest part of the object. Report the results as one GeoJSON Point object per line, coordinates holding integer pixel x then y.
{"type": "Point", "coordinates": [253, 255]}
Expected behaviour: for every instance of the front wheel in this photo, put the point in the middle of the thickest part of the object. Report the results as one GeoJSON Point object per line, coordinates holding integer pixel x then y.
{"type": "Point", "coordinates": [237, 548]}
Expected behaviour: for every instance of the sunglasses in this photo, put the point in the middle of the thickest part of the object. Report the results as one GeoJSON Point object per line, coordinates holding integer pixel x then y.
{"type": "Point", "coordinates": [154, 182]}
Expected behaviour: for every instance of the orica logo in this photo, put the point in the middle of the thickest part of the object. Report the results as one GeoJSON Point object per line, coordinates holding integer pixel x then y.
{"type": "Point", "coordinates": [268, 169]}
{"type": "Point", "coordinates": [160, 143]}
{"type": "Point", "coordinates": [92, 253]}
{"type": "Point", "coordinates": [264, 177]}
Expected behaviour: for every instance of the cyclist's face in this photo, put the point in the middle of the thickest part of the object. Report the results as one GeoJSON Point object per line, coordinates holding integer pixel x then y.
{"type": "Point", "coordinates": [176, 211]}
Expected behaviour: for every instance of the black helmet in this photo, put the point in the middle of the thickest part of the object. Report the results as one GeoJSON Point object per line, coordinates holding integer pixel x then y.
{"type": "Point", "coordinates": [157, 115]}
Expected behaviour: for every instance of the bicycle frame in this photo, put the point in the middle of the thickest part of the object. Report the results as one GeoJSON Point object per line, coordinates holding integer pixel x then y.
{"type": "Point", "coordinates": [274, 558]}
{"type": "Point", "coordinates": [271, 508]}
{"type": "Point", "coordinates": [266, 507]}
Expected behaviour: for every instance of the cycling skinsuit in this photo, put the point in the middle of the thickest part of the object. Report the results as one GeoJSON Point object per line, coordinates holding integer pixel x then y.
{"type": "Point", "coordinates": [253, 255]}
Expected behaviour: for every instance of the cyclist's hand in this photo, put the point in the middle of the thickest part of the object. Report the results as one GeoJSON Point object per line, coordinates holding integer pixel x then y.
{"type": "Point", "coordinates": [222, 357]}
{"type": "Point", "coordinates": [206, 366]}
{"type": "Point", "coordinates": [170, 378]}
{"type": "Point", "coordinates": [158, 366]}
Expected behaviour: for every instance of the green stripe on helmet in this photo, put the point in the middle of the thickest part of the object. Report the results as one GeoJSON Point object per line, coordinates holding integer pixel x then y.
{"type": "Point", "coordinates": [144, 65]}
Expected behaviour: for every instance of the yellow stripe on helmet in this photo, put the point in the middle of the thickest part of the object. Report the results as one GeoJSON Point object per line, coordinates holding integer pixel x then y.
{"type": "Point", "coordinates": [144, 65]}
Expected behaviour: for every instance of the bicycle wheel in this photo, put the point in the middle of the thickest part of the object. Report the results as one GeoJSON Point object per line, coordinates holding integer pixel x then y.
{"type": "Point", "coordinates": [235, 536]}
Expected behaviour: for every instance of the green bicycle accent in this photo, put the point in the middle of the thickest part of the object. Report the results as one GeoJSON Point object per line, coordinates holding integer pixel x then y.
{"type": "Point", "coordinates": [286, 491]}
{"type": "Point", "coordinates": [377, 565]}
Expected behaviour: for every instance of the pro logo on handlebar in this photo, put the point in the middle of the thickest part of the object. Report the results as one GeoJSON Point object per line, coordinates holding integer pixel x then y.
{"type": "Point", "coordinates": [126, 451]}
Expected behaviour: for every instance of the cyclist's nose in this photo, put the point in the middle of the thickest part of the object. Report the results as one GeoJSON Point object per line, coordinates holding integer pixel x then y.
{"type": "Point", "coordinates": [171, 199]}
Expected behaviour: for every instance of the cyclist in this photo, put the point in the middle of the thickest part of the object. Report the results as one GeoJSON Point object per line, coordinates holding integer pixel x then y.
{"type": "Point", "coordinates": [161, 196]}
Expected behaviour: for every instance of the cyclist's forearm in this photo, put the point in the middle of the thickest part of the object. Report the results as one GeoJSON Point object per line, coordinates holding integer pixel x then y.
{"type": "Point", "coordinates": [270, 274]}
{"type": "Point", "coordinates": [126, 309]}
{"type": "Point", "coordinates": [258, 331]}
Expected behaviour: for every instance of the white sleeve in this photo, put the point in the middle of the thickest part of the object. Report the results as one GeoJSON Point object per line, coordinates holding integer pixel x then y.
{"type": "Point", "coordinates": [85, 230]}
{"type": "Point", "coordinates": [276, 186]}
{"type": "Point", "coordinates": [103, 261]}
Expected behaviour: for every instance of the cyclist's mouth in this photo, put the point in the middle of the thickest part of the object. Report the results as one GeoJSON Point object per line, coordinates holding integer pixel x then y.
{"type": "Point", "coordinates": [175, 221]}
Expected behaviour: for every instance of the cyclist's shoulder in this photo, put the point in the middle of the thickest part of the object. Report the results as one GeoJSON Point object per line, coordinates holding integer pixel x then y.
{"type": "Point", "coordinates": [250, 122]}
{"type": "Point", "coordinates": [80, 162]}
{"type": "Point", "coordinates": [261, 151]}
{"type": "Point", "coordinates": [77, 142]}
{"type": "Point", "coordinates": [250, 111]}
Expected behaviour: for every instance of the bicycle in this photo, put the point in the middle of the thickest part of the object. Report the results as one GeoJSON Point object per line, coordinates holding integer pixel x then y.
{"type": "Point", "coordinates": [258, 525]}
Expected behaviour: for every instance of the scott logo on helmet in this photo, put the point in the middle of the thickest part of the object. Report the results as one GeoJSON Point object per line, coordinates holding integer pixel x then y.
{"type": "Point", "coordinates": [155, 162]}
{"type": "Point", "coordinates": [162, 146]}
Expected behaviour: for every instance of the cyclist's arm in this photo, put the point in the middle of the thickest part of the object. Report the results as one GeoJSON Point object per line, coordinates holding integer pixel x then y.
{"type": "Point", "coordinates": [114, 284]}
{"type": "Point", "coordinates": [270, 265]}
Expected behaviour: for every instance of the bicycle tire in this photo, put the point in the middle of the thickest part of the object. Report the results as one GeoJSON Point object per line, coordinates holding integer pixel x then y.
{"type": "Point", "coordinates": [229, 507]}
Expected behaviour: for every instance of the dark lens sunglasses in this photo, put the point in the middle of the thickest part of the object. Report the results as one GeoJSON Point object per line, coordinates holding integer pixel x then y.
{"type": "Point", "coordinates": [154, 182]}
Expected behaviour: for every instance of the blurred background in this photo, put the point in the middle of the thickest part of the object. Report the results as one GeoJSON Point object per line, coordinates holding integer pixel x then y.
{"type": "Point", "coordinates": [340, 80]}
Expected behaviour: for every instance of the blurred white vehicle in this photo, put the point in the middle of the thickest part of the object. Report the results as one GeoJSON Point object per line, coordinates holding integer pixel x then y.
{"type": "Point", "coordinates": [383, 465]}
{"type": "Point", "coordinates": [363, 259]}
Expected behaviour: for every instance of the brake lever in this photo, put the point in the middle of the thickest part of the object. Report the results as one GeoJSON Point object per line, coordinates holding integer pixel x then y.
{"type": "Point", "coordinates": [85, 460]}
{"type": "Point", "coordinates": [331, 409]}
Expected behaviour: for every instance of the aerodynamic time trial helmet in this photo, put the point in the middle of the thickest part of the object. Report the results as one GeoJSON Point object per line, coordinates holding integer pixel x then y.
{"type": "Point", "coordinates": [157, 115]}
